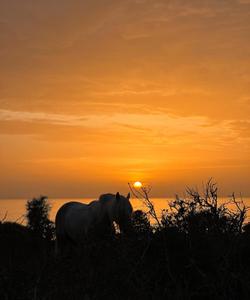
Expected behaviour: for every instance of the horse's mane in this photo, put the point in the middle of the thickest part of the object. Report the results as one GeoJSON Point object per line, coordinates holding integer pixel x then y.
{"type": "Point", "coordinates": [106, 197]}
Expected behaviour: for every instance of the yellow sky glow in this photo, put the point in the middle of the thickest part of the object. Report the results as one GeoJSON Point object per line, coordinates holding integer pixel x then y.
{"type": "Point", "coordinates": [95, 94]}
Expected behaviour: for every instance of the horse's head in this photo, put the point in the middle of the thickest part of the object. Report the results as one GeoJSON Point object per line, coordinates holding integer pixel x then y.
{"type": "Point", "coordinates": [124, 212]}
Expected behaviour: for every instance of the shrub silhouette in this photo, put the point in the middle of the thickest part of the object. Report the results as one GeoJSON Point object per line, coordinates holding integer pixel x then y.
{"type": "Point", "coordinates": [38, 218]}
{"type": "Point", "coordinates": [140, 222]}
{"type": "Point", "coordinates": [203, 213]}
{"type": "Point", "coordinates": [199, 249]}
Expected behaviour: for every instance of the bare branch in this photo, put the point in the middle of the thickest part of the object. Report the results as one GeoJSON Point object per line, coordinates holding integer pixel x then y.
{"type": "Point", "coordinates": [143, 194]}
{"type": "Point", "coordinates": [4, 217]}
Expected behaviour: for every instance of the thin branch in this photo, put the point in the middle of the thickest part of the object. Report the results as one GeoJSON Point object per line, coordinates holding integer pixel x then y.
{"type": "Point", "coordinates": [22, 218]}
{"type": "Point", "coordinates": [4, 217]}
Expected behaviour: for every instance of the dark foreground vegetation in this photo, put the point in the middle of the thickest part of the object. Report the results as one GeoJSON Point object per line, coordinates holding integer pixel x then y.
{"type": "Point", "coordinates": [198, 249]}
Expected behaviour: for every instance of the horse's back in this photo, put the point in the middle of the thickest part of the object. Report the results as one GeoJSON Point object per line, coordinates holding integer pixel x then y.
{"type": "Point", "coordinates": [62, 215]}
{"type": "Point", "coordinates": [74, 219]}
{"type": "Point", "coordinates": [65, 208]}
{"type": "Point", "coordinates": [70, 204]}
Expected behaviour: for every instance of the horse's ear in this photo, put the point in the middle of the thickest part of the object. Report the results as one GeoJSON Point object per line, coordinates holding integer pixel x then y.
{"type": "Point", "coordinates": [117, 196]}
{"type": "Point", "coordinates": [128, 196]}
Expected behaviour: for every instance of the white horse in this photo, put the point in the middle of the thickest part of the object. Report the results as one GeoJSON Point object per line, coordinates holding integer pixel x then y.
{"type": "Point", "coordinates": [75, 220]}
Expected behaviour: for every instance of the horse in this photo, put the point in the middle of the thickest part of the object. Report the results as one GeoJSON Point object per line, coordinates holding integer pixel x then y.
{"type": "Point", "coordinates": [76, 220]}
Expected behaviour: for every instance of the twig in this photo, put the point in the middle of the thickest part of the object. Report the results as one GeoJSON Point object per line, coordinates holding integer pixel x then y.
{"type": "Point", "coordinates": [22, 218]}
{"type": "Point", "coordinates": [5, 216]}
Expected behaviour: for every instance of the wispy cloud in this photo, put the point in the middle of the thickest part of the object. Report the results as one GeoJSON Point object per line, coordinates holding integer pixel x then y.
{"type": "Point", "coordinates": [244, 1]}
{"type": "Point", "coordinates": [8, 115]}
{"type": "Point", "coordinates": [157, 119]}
{"type": "Point", "coordinates": [159, 124]}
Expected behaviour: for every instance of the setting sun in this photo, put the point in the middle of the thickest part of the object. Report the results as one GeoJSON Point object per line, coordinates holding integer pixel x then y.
{"type": "Point", "coordinates": [137, 184]}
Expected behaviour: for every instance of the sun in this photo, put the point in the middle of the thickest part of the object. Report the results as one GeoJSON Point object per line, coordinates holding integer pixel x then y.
{"type": "Point", "coordinates": [137, 184]}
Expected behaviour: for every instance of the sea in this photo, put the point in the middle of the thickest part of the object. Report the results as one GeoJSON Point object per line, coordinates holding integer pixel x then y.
{"type": "Point", "coordinates": [14, 209]}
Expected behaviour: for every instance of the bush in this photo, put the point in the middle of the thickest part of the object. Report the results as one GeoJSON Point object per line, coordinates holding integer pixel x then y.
{"type": "Point", "coordinates": [203, 213]}
{"type": "Point", "coordinates": [140, 222]}
{"type": "Point", "coordinates": [38, 218]}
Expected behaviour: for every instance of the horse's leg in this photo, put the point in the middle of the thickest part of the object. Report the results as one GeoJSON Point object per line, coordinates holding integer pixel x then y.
{"type": "Point", "coordinates": [59, 246]}
{"type": "Point", "coordinates": [64, 246]}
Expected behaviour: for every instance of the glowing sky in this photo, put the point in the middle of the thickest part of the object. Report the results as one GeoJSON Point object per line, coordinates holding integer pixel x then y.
{"type": "Point", "coordinates": [94, 94]}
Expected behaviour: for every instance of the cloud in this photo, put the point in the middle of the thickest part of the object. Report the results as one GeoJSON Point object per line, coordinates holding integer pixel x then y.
{"type": "Point", "coordinates": [244, 1]}
{"type": "Point", "coordinates": [164, 92]}
{"type": "Point", "coordinates": [161, 128]}
{"type": "Point", "coordinates": [102, 120]}
{"type": "Point", "coordinates": [242, 128]}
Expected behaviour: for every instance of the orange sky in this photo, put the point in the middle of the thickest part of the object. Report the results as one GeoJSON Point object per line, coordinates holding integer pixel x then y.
{"type": "Point", "coordinates": [98, 93]}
